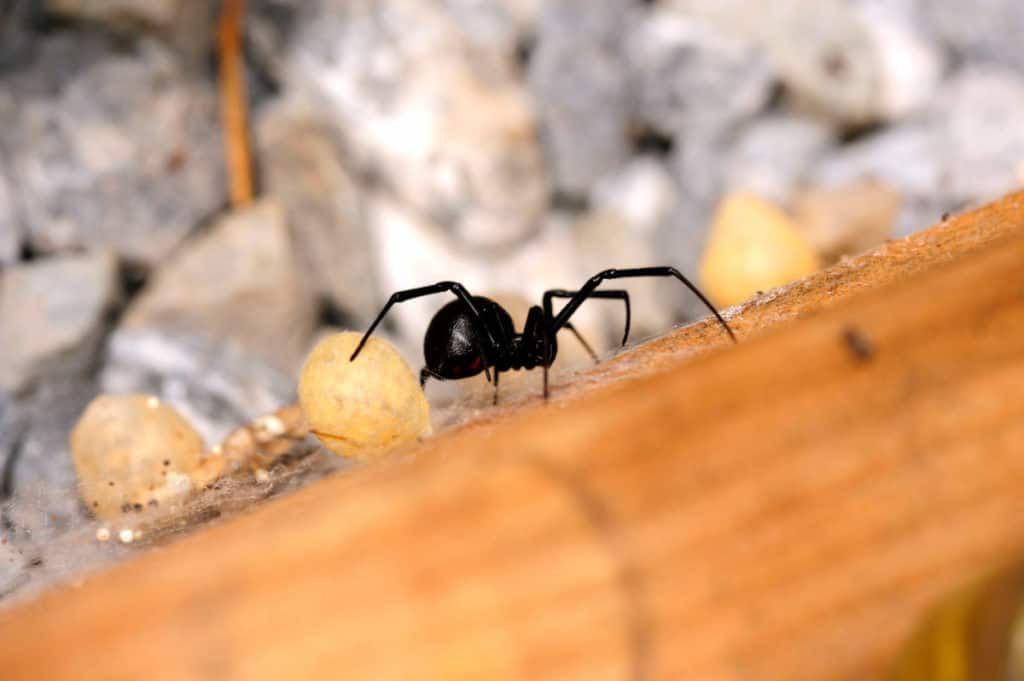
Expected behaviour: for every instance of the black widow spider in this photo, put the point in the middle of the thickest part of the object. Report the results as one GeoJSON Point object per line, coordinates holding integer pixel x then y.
{"type": "Point", "coordinates": [474, 333]}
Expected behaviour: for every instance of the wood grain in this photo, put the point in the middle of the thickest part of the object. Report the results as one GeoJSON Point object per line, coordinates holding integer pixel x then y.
{"type": "Point", "coordinates": [782, 509]}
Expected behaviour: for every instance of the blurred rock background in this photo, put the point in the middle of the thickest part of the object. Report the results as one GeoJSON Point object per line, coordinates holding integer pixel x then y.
{"type": "Point", "coordinates": [514, 145]}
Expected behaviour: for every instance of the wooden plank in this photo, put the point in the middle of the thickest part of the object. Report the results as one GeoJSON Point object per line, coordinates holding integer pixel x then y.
{"type": "Point", "coordinates": [780, 509]}
{"type": "Point", "coordinates": [956, 237]}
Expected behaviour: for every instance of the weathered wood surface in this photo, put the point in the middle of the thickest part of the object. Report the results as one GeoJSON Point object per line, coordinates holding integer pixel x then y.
{"type": "Point", "coordinates": [782, 509]}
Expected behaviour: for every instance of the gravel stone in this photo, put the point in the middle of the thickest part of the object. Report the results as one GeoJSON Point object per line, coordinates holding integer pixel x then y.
{"type": "Point", "coordinates": [579, 81]}
{"type": "Point", "coordinates": [10, 226]}
{"type": "Point", "coordinates": [774, 154]}
{"type": "Point", "coordinates": [216, 387]}
{"type": "Point", "coordinates": [441, 122]}
{"type": "Point", "coordinates": [690, 80]}
{"type": "Point", "coordinates": [304, 168]}
{"type": "Point", "coordinates": [238, 283]}
{"type": "Point", "coordinates": [982, 30]}
{"type": "Point", "coordinates": [103, 145]}
{"type": "Point", "coordinates": [53, 314]}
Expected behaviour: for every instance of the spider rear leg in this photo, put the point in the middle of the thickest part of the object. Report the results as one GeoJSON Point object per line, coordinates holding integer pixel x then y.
{"type": "Point", "coordinates": [562, 293]}
{"type": "Point", "coordinates": [583, 342]}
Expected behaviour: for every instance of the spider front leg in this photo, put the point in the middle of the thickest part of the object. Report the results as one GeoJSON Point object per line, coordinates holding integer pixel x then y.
{"type": "Point", "coordinates": [426, 373]}
{"type": "Point", "coordinates": [440, 287]}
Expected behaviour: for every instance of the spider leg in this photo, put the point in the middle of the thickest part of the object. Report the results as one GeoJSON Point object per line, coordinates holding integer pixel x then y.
{"type": "Point", "coordinates": [496, 375]}
{"type": "Point", "coordinates": [562, 293]}
{"type": "Point", "coordinates": [408, 294]}
{"type": "Point", "coordinates": [545, 364]}
{"type": "Point", "coordinates": [587, 291]}
{"type": "Point", "coordinates": [426, 373]}
{"type": "Point", "coordinates": [583, 342]}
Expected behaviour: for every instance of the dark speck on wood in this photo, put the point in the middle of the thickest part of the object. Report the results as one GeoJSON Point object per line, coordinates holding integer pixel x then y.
{"type": "Point", "coordinates": [859, 343]}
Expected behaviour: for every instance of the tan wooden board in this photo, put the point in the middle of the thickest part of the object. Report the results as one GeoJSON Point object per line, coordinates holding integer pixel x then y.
{"type": "Point", "coordinates": [782, 509]}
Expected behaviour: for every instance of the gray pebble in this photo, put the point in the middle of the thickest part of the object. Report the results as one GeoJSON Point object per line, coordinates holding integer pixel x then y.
{"type": "Point", "coordinates": [304, 167]}
{"type": "Point", "coordinates": [216, 387]}
{"type": "Point", "coordinates": [238, 283]}
{"type": "Point", "coordinates": [53, 314]}
{"type": "Point", "coordinates": [966, 148]}
{"type": "Point", "coordinates": [102, 145]}
{"type": "Point", "coordinates": [981, 30]}
{"type": "Point", "coordinates": [10, 226]}
{"type": "Point", "coordinates": [44, 502]}
{"type": "Point", "coordinates": [580, 85]}
{"type": "Point", "coordinates": [774, 154]}
{"type": "Point", "coordinates": [979, 113]}
{"type": "Point", "coordinates": [12, 567]}
{"type": "Point", "coordinates": [690, 80]}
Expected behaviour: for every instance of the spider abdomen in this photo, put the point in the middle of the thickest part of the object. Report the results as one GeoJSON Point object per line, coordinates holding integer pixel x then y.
{"type": "Point", "coordinates": [454, 347]}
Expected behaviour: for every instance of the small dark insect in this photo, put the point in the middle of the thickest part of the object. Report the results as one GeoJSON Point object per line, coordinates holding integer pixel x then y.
{"type": "Point", "coordinates": [946, 216]}
{"type": "Point", "coordinates": [474, 334]}
{"type": "Point", "coordinates": [859, 343]}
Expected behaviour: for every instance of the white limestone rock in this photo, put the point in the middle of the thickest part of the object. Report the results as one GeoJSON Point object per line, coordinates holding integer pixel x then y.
{"type": "Point", "coordinates": [437, 119]}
